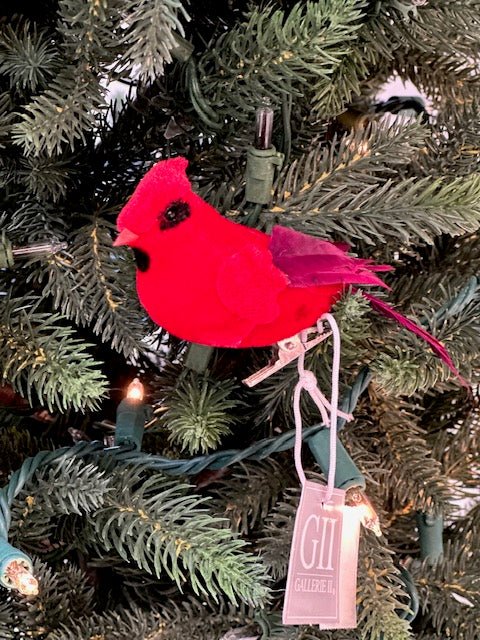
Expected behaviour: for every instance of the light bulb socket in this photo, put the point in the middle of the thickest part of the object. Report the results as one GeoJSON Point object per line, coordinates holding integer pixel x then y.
{"type": "Point", "coordinates": [8, 555]}
{"type": "Point", "coordinates": [6, 254]}
{"type": "Point", "coordinates": [198, 357]}
{"type": "Point", "coordinates": [260, 173]}
{"type": "Point", "coordinates": [130, 424]}
{"type": "Point", "coordinates": [430, 531]}
{"type": "Point", "coordinates": [347, 473]}
{"type": "Point", "coordinates": [183, 49]}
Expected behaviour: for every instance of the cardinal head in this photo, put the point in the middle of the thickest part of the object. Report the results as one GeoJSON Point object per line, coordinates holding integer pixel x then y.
{"type": "Point", "coordinates": [161, 201]}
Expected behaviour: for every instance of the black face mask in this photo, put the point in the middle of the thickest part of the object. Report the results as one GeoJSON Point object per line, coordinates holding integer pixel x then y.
{"type": "Point", "coordinates": [142, 260]}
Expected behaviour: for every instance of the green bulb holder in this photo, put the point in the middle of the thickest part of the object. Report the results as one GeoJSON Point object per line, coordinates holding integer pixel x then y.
{"type": "Point", "coordinates": [183, 49]}
{"type": "Point", "coordinates": [260, 172]}
{"type": "Point", "coordinates": [430, 530]}
{"type": "Point", "coordinates": [6, 253]}
{"type": "Point", "coordinates": [198, 357]}
{"type": "Point", "coordinates": [347, 474]}
{"type": "Point", "coordinates": [9, 554]}
{"type": "Point", "coordinates": [130, 423]}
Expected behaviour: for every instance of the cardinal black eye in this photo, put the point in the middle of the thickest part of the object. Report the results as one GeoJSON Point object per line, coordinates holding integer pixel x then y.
{"type": "Point", "coordinates": [174, 214]}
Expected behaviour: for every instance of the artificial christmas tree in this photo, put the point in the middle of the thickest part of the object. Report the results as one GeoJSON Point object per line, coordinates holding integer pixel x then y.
{"type": "Point", "coordinates": [185, 530]}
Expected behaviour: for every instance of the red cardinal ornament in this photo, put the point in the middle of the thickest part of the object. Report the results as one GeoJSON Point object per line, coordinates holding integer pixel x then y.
{"type": "Point", "coordinates": [209, 280]}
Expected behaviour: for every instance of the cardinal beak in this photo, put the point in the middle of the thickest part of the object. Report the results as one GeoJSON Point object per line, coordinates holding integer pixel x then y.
{"type": "Point", "coordinates": [125, 237]}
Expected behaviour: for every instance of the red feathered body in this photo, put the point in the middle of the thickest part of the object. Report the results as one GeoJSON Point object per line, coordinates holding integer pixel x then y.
{"type": "Point", "coordinates": [212, 281]}
{"type": "Point", "coordinates": [216, 286]}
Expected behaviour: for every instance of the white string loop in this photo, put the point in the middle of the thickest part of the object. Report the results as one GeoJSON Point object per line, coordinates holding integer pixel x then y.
{"type": "Point", "coordinates": [308, 381]}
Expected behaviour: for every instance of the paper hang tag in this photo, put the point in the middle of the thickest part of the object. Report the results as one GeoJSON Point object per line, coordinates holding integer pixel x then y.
{"type": "Point", "coordinates": [322, 572]}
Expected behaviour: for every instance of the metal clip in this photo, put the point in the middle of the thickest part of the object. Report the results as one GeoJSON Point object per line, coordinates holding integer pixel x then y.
{"type": "Point", "coordinates": [288, 350]}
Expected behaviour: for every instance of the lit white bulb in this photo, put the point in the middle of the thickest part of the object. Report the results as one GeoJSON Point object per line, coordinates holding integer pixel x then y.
{"type": "Point", "coordinates": [39, 250]}
{"type": "Point", "coordinates": [20, 578]}
{"type": "Point", "coordinates": [355, 497]}
{"type": "Point", "coordinates": [135, 390]}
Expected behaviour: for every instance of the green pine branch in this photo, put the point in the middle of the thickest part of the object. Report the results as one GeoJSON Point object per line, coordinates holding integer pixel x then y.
{"type": "Point", "coordinates": [406, 366]}
{"type": "Point", "coordinates": [89, 30]}
{"type": "Point", "coordinates": [66, 488]}
{"type": "Point", "coordinates": [406, 371]}
{"type": "Point", "coordinates": [96, 288]}
{"type": "Point", "coordinates": [411, 477]}
{"type": "Point", "coordinates": [464, 530]}
{"type": "Point", "coordinates": [410, 211]}
{"type": "Point", "coordinates": [28, 219]}
{"type": "Point", "coordinates": [353, 316]}
{"type": "Point", "coordinates": [350, 192]}
{"type": "Point", "coordinates": [456, 153]}
{"type": "Point", "coordinates": [346, 82]}
{"type": "Point", "coordinates": [247, 495]}
{"type": "Point", "coordinates": [423, 29]}
{"type": "Point", "coordinates": [147, 36]}
{"type": "Point", "coordinates": [199, 412]}
{"type": "Point", "coordinates": [434, 45]}
{"type": "Point", "coordinates": [440, 275]}
{"type": "Point", "coordinates": [40, 354]}
{"type": "Point", "coordinates": [441, 76]}
{"type": "Point", "coordinates": [276, 541]}
{"type": "Point", "coordinates": [62, 115]}
{"type": "Point", "coordinates": [381, 596]}
{"type": "Point", "coordinates": [16, 444]}
{"type": "Point", "coordinates": [63, 593]}
{"type": "Point", "coordinates": [7, 621]}
{"type": "Point", "coordinates": [371, 156]}
{"type": "Point", "coordinates": [274, 55]}
{"type": "Point", "coordinates": [45, 177]}
{"type": "Point", "coordinates": [125, 624]}
{"type": "Point", "coordinates": [196, 620]}
{"type": "Point", "coordinates": [7, 118]}
{"type": "Point", "coordinates": [456, 427]}
{"type": "Point", "coordinates": [171, 621]}
{"type": "Point", "coordinates": [165, 528]}
{"type": "Point", "coordinates": [461, 262]}
{"type": "Point", "coordinates": [65, 111]}
{"type": "Point", "coordinates": [28, 56]}
{"type": "Point", "coordinates": [449, 590]}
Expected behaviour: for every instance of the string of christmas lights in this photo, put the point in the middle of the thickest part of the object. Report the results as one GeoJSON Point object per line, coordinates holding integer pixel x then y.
{"type": "Point", "coordinates": [16, 567]}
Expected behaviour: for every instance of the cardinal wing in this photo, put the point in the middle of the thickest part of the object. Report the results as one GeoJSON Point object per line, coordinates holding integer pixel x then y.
{"type": "Point", "coordinates": [309, 261]}
{"type": "Point", "coordinates": [249, 284]}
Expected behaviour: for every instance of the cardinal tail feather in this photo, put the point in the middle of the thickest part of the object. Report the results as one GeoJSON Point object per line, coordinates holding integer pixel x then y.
{"type": "Point", "coordinates": [436, 345]}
